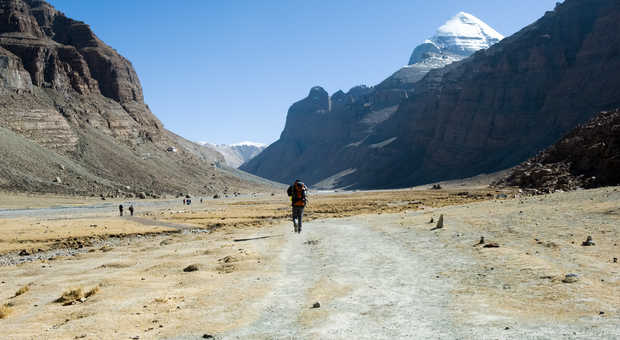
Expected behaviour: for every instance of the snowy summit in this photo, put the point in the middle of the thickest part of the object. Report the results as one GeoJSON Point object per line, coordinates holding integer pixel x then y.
{"type": "Point", "coordinates": [463, 35]}
{"type": "Point", "coordinates": [238, 153]}
{"type": "Point", "coordinates": [455, 40]}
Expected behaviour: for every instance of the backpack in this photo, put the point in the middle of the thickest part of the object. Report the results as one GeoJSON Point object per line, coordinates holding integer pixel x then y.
{"type": "Point", "coordinates": [298, 194]}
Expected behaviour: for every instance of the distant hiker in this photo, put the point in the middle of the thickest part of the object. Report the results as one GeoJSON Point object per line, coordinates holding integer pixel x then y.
{"type": "Point", "coordinates": [131, 209]}
{"type": "Point", "coordinates": [184, 201]}
{"type": "Point", "coordinates": [297, 192]}
{"type": "Point", "coordinates": [120, 209]}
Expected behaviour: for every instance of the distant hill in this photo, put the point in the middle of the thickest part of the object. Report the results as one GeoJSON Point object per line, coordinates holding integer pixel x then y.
{"type": "Point", "coordinates": [239, 153]}
{"type": "Point", "coordinates": [73, 118]}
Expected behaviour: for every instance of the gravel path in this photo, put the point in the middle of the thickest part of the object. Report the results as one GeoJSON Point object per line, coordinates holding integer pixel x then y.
{"type": "Point", "coordinates": [368, 282]}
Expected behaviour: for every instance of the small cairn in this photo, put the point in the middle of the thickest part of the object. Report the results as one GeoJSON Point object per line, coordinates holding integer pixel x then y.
{"type": "Point", "coordinates": [439, 223]}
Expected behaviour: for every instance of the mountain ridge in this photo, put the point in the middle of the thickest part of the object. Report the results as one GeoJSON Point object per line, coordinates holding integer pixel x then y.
{"type": "Point", "coordinates": [81, 104]}
{"type": "Point", "coordinates": [487, 112]}
{"type": "Point", "coordinates": [346, 120]}
{"type": "Point", "coordinates": [238, 153]}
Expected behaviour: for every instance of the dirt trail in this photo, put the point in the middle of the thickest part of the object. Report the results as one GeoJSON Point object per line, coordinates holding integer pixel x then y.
{"type": "Point", "coordinates": [366, 281]}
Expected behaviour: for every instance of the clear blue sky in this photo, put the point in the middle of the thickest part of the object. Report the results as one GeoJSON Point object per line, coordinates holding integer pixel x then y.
{"type": "Point", "coordinates": [227, 71]}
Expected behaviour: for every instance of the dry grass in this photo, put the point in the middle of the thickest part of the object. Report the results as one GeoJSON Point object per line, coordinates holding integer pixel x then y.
{"type": "Point", "coordinates": [5, 311]}
{"type": "Point", "coordinates": [92, 292]}
{"type": "Point", "coordinates": [70, 296]}
{"type": "Point", "coordinates": [23, 290]}
{"type": "Point", "coordinates": [76, 295]}
{"type": "Point", "coordinates": [271, 210]}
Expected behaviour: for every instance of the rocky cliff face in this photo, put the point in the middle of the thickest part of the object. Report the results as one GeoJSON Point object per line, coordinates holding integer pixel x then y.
{"type": "Point", "coordinates": [78, 102]}
{"type": "Point", "coordinates": [587, 157]}
{"type": "Point", "coordinates": [321, 125]}
{"type": "Point", "coordinates": [482, 114]}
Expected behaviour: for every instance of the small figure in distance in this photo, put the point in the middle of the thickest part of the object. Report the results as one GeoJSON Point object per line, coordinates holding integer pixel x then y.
{"type": "Point", "coordinates": [120, 209]}
{"type": "Point", "coordinates": [131, 209]}
{"type": "Point", "coordinates": [298, 194]}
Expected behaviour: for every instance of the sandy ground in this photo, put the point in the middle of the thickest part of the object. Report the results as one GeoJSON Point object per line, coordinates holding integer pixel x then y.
{"type": "Point", "coordinates": [382, 274]}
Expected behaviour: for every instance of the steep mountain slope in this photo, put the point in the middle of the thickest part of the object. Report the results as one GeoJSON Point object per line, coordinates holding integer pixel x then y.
{"type": "Point", "coordinates": [321, 125]}
{"type": "Point", "coordinates": [485, 113]}
{"type": "Point", "coordinates": [239, 153]}
{"type": "Point", "coordinates": [79, 102]}
{"type": "Point", "coordinates": [587, 157]}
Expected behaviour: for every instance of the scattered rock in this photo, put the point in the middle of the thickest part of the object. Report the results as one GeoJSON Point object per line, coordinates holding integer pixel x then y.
{"type": "Point", "coordinates": [57, 180]}
{"type": "Point", "coordinates": [480, 242]}
{"type": "Point", "coordinates": [436, 187]}
{"type": "Point", "coordinates": [588, 242]}
{"type": "Point", "coordinates": [316, 305]}
{"type": "Point", "coordinates": [615, 260]}
{"type": "Point", "coordinates": [431, 221]}
{"type": "Point", "coordinates": [216, 196]}
{"type": "Point", "coordinates": [227, 259]}
{"type": "Point", "coordinates": [589, 149]}
{"type": "Point", "coordinates": [501, 196]}
{"type": "Point", "coordinates": [207, 336]}
{"type": "Point", "coordinates": [24, 253]}
{"type": "Point", "coordinates": [312, 242]}
{"type": "Point", "coordinates": [191, 268]}
{"type": "Point", "coordinates": [142, 195]}
{"type": "Point", "coordinates": [439, 223]}
{"type": "Point", "coordinates": [570, 278]}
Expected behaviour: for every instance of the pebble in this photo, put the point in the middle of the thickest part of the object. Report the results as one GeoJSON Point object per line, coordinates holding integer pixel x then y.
{"type": "Point", "coordinates": [316, 305]}
{"type": "Point", "coordinates": [570, 278]}
{"type": "Point", "coordinates": [588, 242]}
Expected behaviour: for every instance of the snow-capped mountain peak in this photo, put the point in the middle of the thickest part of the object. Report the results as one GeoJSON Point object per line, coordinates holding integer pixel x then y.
{"type": "Point", "coordinates": [238, 153]}
{"type": "Point", "coordinates": [459, 37]}
{"type": "Point", "coordinates": [258, 145]}
{"type": "Point", "coordinates": [456, 39]}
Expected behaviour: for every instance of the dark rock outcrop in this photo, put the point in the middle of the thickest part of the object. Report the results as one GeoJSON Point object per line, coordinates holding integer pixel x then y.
{"type": "Point", "coordinates": [587, 157]}
{"type": "Point", "coordinates": [68, 98]}
{"type": "Point", "coordinates": [485, 113]}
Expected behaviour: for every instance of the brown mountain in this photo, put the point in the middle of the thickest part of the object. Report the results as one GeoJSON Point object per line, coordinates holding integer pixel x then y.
{"type": "Point", "coordinates": [485, 113]}
{"type": "Point", "coordinates": [587, 157]}
{"type": "Point", "coordinates": [73, 117]}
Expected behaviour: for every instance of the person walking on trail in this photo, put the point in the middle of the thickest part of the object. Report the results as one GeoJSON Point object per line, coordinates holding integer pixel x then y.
{"type": "Point", "coordinates": [131, 209]}
{"type": "Point", "coordinates": [298, 193]}
{"type": "Point", "coordinates": [120, 209]}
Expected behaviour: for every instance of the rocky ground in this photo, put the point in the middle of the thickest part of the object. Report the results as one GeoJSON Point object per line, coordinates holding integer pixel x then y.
{"type": "Point", "coordinates": [587, 157]}
{"type": "Point", "coordinates": [380, 273]}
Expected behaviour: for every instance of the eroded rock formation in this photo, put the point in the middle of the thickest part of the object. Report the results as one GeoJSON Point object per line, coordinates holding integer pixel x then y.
{"type": "Point", "coordinates": [72, 107]}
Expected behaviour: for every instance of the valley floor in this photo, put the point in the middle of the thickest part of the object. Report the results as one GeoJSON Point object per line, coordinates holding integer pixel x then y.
{"type": "Point", "coordinates": [369, 259]}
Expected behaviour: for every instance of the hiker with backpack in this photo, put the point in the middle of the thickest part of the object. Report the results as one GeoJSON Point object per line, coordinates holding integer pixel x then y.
{"type": "Point", "coordinates": [297, 192]}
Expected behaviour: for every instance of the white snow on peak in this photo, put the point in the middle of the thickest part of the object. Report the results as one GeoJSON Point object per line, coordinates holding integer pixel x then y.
{"type": "Point", "coordinates": [457, 39]}
{"type": "Point", "coordinates": [464, 32]}
{"type": "Point", "coordinates": [237, 154]}
{"type": "Point", "coordinates": [258, 145]}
